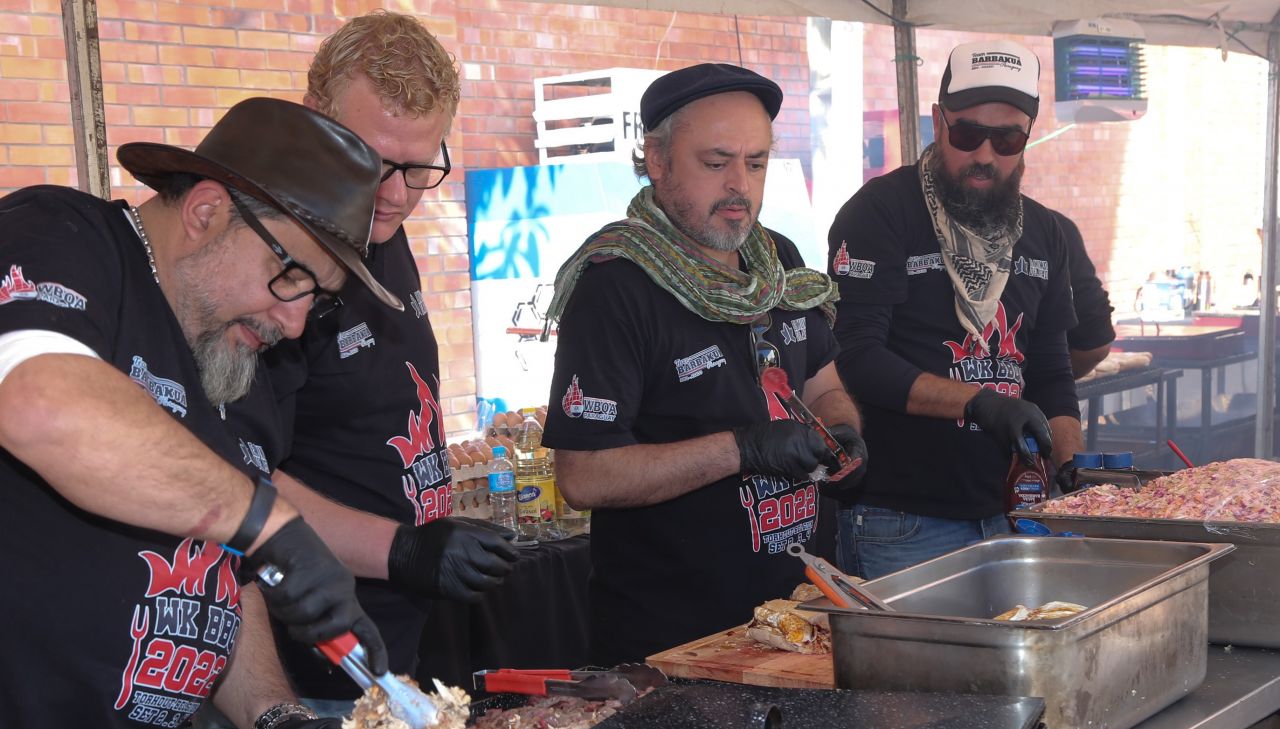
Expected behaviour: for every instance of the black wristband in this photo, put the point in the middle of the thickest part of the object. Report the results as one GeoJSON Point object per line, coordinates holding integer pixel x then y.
{"type": "Point", "coordinates": [264, 497]}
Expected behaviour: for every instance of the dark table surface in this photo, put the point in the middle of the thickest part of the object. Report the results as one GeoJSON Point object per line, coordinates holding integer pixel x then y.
{"type": "Point", "coordinates": [537, 618]}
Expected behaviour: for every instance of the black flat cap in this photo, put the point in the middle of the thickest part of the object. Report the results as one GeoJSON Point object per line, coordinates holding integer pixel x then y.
{"type": "Point", "coordinates": [670, 92]}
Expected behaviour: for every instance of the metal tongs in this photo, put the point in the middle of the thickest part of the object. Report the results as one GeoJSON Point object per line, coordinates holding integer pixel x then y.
{"type": "Point", "coordinates": [406, 703]}
{"type": "Point", "coordinates": [775, 382]}
{"type": "Point", "coordinates": [622, 684]}
{"type": "Point", "coordinates": [836, 585]}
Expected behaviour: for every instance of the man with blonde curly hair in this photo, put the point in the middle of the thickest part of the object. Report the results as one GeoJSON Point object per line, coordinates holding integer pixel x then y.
{"type": "Point", "coordinates": [359, 420]}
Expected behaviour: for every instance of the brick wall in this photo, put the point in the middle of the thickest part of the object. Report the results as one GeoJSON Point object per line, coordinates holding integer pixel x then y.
{"type": "Point", "coordinates": [1180, 186]}
{"type": "Point", "coordinates": [170, 68]}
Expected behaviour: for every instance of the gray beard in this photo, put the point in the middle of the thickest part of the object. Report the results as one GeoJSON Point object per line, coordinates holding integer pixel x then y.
{"type": "Point", "coordinates": [226, 372]}
{"type": "Point", "coordinates": [990, 214]}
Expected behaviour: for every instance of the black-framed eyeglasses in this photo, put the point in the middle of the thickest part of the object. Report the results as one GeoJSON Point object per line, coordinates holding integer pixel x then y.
{"type": "Point", "coordinates": [967, 137]}
{"type": "Point", "coordinates": [420, 177]}
{"type": "Point", "coordinates": [295, 280]}
{"type": "Point", "coordinates": [766, 352]}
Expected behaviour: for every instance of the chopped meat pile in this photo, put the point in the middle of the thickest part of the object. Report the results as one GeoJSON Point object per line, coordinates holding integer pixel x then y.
{"type": "Point", "coordinates": [551, 712]}
{"type": "Point", "coordinates": [1242, 489]}
{"type": "Point", "coordinates": [371, 710]}
{"type": "Point", "coordinates": [1049, 611]}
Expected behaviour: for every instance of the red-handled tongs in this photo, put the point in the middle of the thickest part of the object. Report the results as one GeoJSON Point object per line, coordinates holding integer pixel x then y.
{"type": "Point", "coordinates": [622, 683]}
{"type": "Point", "coordinates": [407, 703]}
{"type": "Point", "coordinates": [774, 380]}
{"type": "Point", "coordinates": [839, 588]}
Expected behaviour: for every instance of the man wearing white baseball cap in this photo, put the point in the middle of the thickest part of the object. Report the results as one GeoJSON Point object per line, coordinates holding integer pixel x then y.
{"type": "Point", "coordinates": [954, 306]}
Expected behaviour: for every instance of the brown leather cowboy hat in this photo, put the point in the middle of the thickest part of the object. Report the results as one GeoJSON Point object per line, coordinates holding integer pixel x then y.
{"type": "Point", "coordinates": [316, 171]}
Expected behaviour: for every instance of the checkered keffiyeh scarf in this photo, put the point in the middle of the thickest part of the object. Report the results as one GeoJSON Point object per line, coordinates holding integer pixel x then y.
{"type": "Point", "coordinates": [703, 285]}
{"type": "Point", "coordinates": [979, 268]}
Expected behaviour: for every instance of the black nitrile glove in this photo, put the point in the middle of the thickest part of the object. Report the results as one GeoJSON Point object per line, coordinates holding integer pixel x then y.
{"type": "Point", "coordinates": [317, 597]}
{"type": "Point", "coordinates": [1007, 419]}
{"type": "Point", "coordinates": [300, 723]}
{"type": "Point", "coordinates": [856, 448]}
{"type": "Point", "coordinates": [457, 558]}
{"type": "Point", "coordinates": [1065, 478]}
{"type": "Point", "coordinates": [785, 448]}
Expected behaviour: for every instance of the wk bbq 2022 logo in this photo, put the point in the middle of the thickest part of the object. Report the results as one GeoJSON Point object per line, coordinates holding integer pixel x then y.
{"type": "Point", "coordinates": [182, 633]}
{"type": "Point", "coordinates": [992, 361]}
{"type": "Point", "coordinates": [427, 480]}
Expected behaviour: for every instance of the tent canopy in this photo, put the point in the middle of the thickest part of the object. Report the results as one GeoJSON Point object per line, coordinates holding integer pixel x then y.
{"type": "Point", "coordinates": [1167, 22]}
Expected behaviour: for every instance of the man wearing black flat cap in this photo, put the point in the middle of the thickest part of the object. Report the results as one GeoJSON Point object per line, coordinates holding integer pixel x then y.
{"type": "Point", "coordinates": [124, 520]}
{"type": "Point", "coordinates": [697, 479]}
{"type": "Point", "coordinates": [955, 301]}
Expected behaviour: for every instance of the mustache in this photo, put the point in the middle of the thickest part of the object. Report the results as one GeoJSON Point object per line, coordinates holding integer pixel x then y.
{"type": "Point", "coordinates": [980, 170]}
{"type": "Point", "coordinates": [269, 335]}
{"type": "Point", "coordinates": [732, 202]}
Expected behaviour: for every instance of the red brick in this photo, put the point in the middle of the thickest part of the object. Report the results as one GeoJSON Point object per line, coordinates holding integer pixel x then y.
{"type": "Point", "coordinates": [183, 13]}
{"type": "Point", "coordinates": [188, 96]}
{"type": "Point", "coordinates": [154, 32]}
{"type": "Point", "coordinates": [129, 52]}
{"type": "Point", "coordinates": [19, 90]}
{"type": "Point", "coordinates": [123, 135]}
{"type": "Point", "coordinates": [160, 116]}
{"type": "Point", "coordinates": [13, 177]}
{"type": "Point", "coordinates": [45, 155]}
{"type": "Point", "coordinates": [186, 56]}
{"type": "Point", "coordinates": [208, 36]}
{"type": "Point", "coordinates": [228, 58]}
{"type": "Point", "coordinates": [38, 112]}
{"type": "Point", "coordinates": [237, 17]}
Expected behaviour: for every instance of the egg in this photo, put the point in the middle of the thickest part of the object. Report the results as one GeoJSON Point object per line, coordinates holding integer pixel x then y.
{"type": "Point", "coordinates": [499, 420]}
{"type": "Point", "coordinates": [492, 441]}
{"type": "Point", "coordinates": [454, 463]}
{"type": "Point", "coordinates": [464, 459]}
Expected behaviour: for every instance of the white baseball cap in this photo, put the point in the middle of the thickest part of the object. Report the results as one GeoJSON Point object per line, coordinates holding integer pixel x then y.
{"type": "Point", "coordinates": [991, 71]}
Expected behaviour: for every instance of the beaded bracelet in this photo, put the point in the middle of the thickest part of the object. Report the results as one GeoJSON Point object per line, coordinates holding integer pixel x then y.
{"type": "Point", "coordinates": [273, 717]}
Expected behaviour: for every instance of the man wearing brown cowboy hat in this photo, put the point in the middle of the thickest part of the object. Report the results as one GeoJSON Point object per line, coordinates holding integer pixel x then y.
{"type": "Point", "coordinates": [122, 516]}
{"type": "Point", "coordinates": [698, 480]}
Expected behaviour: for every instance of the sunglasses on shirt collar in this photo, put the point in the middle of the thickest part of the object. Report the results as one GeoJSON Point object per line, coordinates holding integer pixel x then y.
{"type": "Point", "coordinates": [968, 137]}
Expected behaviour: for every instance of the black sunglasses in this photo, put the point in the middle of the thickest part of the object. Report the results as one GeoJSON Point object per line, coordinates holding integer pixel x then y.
{"type": "Point", "coordinates": [295, 280]}
{"type": "Point", "coordinates": [967, 137]}
{"type": "Point", "coordinates": [420, 177]}
{"type": "Point", "coordinates": [766, 352]}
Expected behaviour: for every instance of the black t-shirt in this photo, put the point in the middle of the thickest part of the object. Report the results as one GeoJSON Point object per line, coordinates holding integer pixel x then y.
{"type": "Point", "coordinates": [634, 366]}
{"type": "Point", "coordinates": [1093, 306]}
{"type": "Point", "coordinates": [885, 256]}
{"type": "Point", "coordinates": [107, 625]}
{"type": "Point", "coordinates": [361, 392]}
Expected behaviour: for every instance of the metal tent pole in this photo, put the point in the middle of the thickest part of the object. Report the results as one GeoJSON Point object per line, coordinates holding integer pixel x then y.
{"type": "Point", "coordinates": [1264, 431]}
{"type": "Point", "coordinates": [904, 45]}
{"type": "Point", "coordinates": [84, 76]}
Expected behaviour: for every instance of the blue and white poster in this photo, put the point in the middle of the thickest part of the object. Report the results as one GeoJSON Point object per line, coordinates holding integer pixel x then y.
{"type": "Point", "coordinates": [524, 222]}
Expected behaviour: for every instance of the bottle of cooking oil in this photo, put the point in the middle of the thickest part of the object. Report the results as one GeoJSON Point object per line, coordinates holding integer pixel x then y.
{"type": "Point", "coordinates": [535, 481]}
{"type": "Point", "coordinates": [572, 521]}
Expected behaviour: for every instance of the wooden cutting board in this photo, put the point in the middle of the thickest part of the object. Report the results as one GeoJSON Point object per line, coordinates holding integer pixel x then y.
{"type": "Point", "coordinates": [731, 656]}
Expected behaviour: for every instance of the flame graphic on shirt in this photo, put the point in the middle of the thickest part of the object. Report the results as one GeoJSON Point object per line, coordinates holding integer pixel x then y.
{"type": "Point", "coordinates": [572, 402]}
{"type": "Point", "coordinates": [980, 348]}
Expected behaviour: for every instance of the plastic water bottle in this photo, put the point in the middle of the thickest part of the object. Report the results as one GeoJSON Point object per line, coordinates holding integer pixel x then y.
{"type": "Point", "coordinates": [502, 490]}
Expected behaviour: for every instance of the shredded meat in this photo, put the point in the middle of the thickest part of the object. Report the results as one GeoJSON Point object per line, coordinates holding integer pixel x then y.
{"type": "Point", "coordinates": [1242, 489]}
{"type": "Point", "coordinates": [371, 710]}
{"type": "Point", "coordinates": [551, 712]}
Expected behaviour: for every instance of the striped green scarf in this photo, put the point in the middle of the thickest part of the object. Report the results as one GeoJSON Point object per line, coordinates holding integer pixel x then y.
{"type": "Point", "coordinates": [703, 285]}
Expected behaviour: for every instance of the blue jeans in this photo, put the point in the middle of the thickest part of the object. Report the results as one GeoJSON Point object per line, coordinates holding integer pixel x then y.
{"type": "Point", "coordinates": [872, 542]}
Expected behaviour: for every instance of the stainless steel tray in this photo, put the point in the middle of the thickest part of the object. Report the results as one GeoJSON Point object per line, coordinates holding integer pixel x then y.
{"type": "Point", "coordinates": [1139, 646]}
{"type": "Point", "coordinates": [1244, 587]}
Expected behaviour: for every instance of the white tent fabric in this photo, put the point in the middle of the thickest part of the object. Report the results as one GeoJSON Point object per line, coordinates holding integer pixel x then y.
{"type": "Point", "coordinates": [1167, 22]}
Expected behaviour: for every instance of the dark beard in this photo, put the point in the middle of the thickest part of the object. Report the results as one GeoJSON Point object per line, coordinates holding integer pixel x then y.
{"type": "Point", "coordinates": [988, 213]}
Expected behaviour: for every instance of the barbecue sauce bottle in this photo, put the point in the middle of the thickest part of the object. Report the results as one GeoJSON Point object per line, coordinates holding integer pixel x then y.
{"type": "Point", "coordinates": [1026, 485]}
